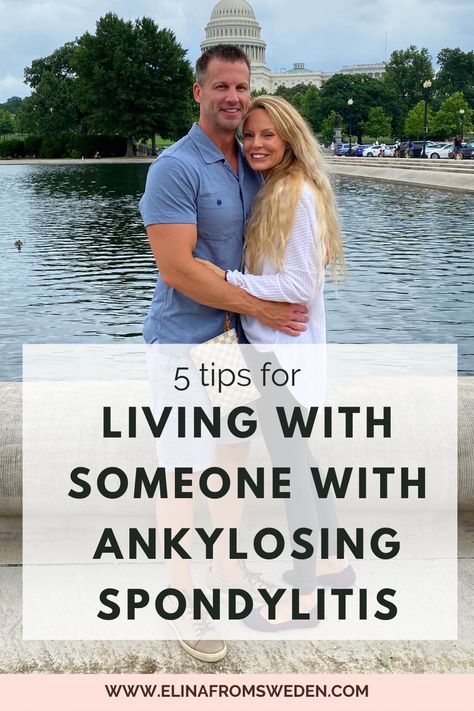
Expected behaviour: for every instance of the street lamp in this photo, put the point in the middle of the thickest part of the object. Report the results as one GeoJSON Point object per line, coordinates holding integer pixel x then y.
{"type": "Point", "coordinates": [349, 103]}
{"type": "Point", "coordinates": [461, 115]}
{"type": "Point", "coordinates": [426, 89]}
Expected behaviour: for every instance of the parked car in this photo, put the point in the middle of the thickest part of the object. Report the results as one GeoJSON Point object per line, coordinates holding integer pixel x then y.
{"type": "Point", "coordinates": [342, 149]}
{"type": "Point", "coordinates": [360, 148]}
{"type": "Point", "coordinates": [371, 151]}
{"type": "Point", "coordinates": [441, 151]}
{"type": "Point", "coordinates": [417, 148]}
{"type": "Point", "coordinates": [467, 150]}
{"type": "Point", "coordinates": [353, 150]}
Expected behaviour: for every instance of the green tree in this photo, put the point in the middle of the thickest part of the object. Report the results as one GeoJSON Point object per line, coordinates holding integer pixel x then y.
{"type": "Point", "coordinates": [415, 121]}
{"type": "Point", "coordinates": [327, 127]}
{"type": "Point", "coordinates": [12, 104]}
{"type": "Point", "coordinates": [133, 79]}
{"type": "Point", "coordinates": [258, 92]}
{"type": "Point", "coordinates": [51, 107]}
{"type": "Point", "coordinates": [365, 92]}
{"type": "Point", "coordinates": [404, 76]}
{"type": "Point", "coordinates": [311, 108]}
{"type": "Point", "coordinates": [446, 122]}
{"type": "Point", "coordinates": [406, 72]}
{"type": "Point", "coordinates": [456, 73]}
{"type": "Point", "coordinates": [378, 124]}
{"type": "Point", "coordinates": [26, 122]}
{"type": "Point", "coordinates": [297, 101]}
{"type": "Point", "coordinates": [7, 123]}
{"type": "Point", "coordinates": [59, 64]}
{"type": "Point", "coordinates": [288, 92]}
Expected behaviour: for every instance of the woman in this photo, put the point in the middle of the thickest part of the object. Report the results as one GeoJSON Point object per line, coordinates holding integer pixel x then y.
{"type": "Point", "coordinates": [292, 235]}
{"type": "Point", "coordinates": [293, 231]}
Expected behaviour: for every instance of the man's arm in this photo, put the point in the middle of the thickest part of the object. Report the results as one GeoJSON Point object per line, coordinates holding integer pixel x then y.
{"type": "Point", "coordinates": [173, 246]}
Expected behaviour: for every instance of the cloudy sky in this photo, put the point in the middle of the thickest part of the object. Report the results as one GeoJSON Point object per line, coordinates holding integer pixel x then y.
{"type": "Point", "coordinates": [324, 35]}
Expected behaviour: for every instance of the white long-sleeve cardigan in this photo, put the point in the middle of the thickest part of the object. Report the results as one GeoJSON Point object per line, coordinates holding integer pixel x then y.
{"type": "Point", "coordinates": [300, 280]}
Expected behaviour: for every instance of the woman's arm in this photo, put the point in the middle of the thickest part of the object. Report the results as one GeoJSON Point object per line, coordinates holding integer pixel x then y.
{"type": "Point", "coordinates": [301, 270]}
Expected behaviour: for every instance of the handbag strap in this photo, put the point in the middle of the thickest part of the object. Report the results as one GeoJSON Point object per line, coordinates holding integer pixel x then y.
{"type": "Point", "coordinates": [227, 322]}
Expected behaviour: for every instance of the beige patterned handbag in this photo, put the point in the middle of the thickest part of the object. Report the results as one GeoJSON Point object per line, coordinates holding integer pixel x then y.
{"type": "Point", "coordinates": [223, 352]}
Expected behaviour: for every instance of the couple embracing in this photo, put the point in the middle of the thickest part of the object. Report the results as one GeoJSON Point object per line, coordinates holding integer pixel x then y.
{"type": "Point", "coordinates": [211, 205]}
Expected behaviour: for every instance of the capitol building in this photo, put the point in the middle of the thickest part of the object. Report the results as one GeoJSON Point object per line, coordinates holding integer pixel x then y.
{"type": "Point", "coordinates": [234, 22]}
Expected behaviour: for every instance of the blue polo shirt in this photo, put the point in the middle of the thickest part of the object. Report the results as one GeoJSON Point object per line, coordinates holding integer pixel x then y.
{"type": "Point", "coordinates": [192, 183]}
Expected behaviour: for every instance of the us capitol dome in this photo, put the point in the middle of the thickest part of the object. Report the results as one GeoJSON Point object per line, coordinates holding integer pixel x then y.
{"type": "Point", "coordinates": [234, 22]}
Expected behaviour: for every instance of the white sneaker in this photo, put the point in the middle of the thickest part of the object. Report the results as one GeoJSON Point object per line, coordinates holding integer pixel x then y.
{"type": "Point", "coordinates": [204, 644]}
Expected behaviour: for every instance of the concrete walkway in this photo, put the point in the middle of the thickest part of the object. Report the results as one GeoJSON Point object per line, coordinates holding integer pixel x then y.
{"type": "Point", "coordinates": [444, 174]}
{"type": "Point", "coordinates": [17, 656]}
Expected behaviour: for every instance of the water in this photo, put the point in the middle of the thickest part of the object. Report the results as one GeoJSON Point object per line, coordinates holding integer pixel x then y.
{"type": "Point", "coordinates": [410, 261]}
{"type": "Point", "coordinates": [86, 274]}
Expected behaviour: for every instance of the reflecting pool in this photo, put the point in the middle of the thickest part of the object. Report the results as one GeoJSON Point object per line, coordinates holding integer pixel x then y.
{"type": "Point", "coordinates": [85, 272]}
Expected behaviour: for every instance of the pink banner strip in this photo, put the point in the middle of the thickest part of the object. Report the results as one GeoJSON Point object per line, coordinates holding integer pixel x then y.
{"type": "Point", "coordinates": [135, 692]}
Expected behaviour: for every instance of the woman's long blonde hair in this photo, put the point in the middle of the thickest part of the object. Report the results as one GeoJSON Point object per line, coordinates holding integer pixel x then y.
{"type": "Point", "coordinates": [274, 209]}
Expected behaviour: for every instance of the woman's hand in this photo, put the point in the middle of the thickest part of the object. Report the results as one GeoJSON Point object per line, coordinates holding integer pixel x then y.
{"type": "Point", "coordinates": [217, 270]}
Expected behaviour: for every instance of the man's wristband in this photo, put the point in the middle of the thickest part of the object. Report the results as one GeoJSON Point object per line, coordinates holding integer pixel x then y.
{"type": "Point", "coordinates": [225, 274]}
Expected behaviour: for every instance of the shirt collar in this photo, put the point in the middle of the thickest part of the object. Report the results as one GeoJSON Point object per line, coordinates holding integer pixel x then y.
{"type": "Point", "coordinates": [207, 148]}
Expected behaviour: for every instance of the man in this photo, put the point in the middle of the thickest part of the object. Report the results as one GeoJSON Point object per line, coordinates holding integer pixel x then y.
{"type": "Point", "coordinates": [198, 196]}
{"type": "Point", "coordinates": [457, 152]}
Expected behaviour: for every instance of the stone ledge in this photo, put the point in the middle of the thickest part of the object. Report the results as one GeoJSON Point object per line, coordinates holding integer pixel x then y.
{"type": "Point", "coordinates": [445, 179]}
{"type": "Point", "coordinates": [11, 446]}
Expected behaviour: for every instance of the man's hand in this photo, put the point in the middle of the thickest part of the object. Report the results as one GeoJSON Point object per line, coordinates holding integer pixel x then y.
{"type": "Point", "coordinates": [287, 318]}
